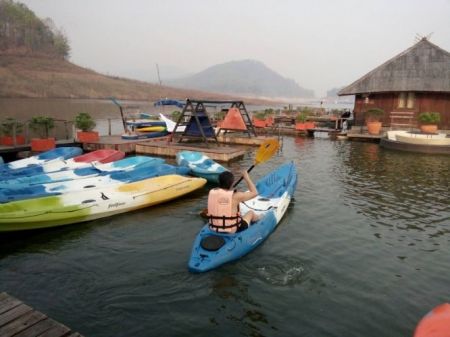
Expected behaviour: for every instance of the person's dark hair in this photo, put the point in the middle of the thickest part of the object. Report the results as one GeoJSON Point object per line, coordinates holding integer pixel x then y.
{"type": "Point", "coordinates": [226, 180]}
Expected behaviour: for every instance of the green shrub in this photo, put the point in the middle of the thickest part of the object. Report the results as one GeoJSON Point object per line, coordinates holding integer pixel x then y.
{"type": "Point", "coordinates": [429, 118]}
{"type": "Point", "coordinates": [301, 117]}
{"type": "Point", "coordinates": [84, 122]}
{"type": "Point", "coordinates": [8, 124]}
{"type": "Point", "coordinates": [42, 125]}
{"type": "Point", "coordinates": [374, 114]}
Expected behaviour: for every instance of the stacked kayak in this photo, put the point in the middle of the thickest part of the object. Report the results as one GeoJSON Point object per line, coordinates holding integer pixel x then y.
{"type": "Point", "coordinates": [21, 192]}
{"type": "Point", "coordinates": [93, 203]}
{"type": "Point", "coordinates": [201, 165]}
{"type": "Point", "coordinates": [60, 153]}
{"type": "Point", "coordinates": [60, 164]}
{"type": "Point", "coordinates": [124, 165]}
{"type": "Point", "coordinates": [275, 191]}
{"type": "Point", "coordinates": [144, 128]}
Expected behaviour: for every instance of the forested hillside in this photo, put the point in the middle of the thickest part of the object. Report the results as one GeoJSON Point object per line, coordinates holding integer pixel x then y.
{"type": "Point", "coordinates": [22, 32]}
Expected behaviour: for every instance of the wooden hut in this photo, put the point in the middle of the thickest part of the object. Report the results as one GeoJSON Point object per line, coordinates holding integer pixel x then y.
{"type": "Point", "coordinates": [415, 81]}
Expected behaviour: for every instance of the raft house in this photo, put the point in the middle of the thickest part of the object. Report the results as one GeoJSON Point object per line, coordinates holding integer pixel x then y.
{"type": "Point", "coordinates": [415, 81]}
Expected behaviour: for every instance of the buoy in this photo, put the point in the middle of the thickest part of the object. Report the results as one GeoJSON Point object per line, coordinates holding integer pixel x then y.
{"type": "Point", "coordinates": [436, 323]}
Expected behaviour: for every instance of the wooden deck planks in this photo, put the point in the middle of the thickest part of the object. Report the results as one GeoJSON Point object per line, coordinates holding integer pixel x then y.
{"type": "Point", "coordinates": [20, 320]}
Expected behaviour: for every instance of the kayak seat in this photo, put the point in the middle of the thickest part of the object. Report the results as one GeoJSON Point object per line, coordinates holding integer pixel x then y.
{"type": "Point", "coordinates": [212, 243]}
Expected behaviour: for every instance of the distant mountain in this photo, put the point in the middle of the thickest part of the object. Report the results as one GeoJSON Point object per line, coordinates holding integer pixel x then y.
{"type": "Point", "coordinates": [244, 78]}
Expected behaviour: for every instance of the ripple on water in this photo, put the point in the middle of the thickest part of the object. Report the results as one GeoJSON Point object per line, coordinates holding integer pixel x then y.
{"type": "Point", "coordinates": [282, 271]}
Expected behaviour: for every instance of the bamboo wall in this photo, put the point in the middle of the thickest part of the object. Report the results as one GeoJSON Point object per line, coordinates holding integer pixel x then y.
{"type": "Point", "coordinates": [424, 102]}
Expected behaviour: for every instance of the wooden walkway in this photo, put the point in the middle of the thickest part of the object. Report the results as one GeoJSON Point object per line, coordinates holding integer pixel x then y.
{"type": "Point", "coordinates": [20, 320]}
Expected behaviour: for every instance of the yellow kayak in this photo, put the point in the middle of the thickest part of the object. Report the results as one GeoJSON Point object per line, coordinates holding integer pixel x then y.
{"type": "Point", "coordinates": [151, 129]}
{"type": "Point", "coordinates": [93, 203]}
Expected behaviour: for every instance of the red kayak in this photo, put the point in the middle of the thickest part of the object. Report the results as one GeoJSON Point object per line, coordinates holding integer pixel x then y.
{"type": "Point", "coordinates": [102, 156]}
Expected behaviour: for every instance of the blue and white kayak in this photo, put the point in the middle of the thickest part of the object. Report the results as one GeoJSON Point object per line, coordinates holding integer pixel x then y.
{"type": "Point", "coordinates": [126, 164]}
{"type": "Point", "coordinates": [104, 180]}
{"type": "Point", "coordinates": [201, 165]}
{"type": "Point", "coordinates": [60, 153]}
{"type": "Point", "coordinates": [60, 164]}
{"type": "Point", "coordinates": [276, 190]}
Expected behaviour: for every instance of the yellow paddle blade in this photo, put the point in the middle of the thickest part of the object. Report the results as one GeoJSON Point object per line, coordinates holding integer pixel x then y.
{"type": "Point", "coordinates": [266, 150]}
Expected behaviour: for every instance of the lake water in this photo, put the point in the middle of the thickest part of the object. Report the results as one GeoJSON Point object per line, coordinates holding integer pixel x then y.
{"type": "Point", "coordinates": [362, 251]}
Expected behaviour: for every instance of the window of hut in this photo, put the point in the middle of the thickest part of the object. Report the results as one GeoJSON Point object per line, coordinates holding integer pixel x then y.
{"type": "Point", "coordinates": [402, 100]}
{"type": "Point", "coordinates": [410, 101]}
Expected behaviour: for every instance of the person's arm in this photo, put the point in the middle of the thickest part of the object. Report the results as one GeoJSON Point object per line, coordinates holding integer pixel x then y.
{"type": "Point", "coordinates": [252, 191]}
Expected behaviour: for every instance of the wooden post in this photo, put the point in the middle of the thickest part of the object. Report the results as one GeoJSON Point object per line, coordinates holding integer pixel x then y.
{"type": "Point", "coordinates": [109, 127]}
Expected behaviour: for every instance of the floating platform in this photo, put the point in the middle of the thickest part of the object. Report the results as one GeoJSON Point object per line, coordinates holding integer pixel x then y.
{"type": "Point", "coordinates": [170, 149]}
{"type": "Point", "coordinates": [229, 138]}
{"type": "Point", "coordinates": [364, 137]}
{"type": "Point", "coordinates": [19, 319]}
{"type": "Point", "coordinates": [420, 148]}
{"type": "Point", "coordinates": [117, 143]}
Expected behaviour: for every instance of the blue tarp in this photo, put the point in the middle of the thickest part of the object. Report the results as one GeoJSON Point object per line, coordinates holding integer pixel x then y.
{"type": "Point", "coordinates": [168, 101]}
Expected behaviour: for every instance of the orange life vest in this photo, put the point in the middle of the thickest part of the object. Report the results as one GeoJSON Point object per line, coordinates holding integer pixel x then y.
{"type": "Point", "coordinates": [222, 216]}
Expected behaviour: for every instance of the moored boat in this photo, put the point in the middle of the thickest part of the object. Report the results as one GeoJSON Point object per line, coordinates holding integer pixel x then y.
{"type": "Point", "coordinates": [60, 164]}
{"type": "Point", "coordinates": [126, 164]}
{"type": "Point", "coordinates": [275, 191]}
{"type": "Point", "coordinates": [60, 153]}
{"type": "Point", "coordinates": [200, 165]}
{"type": "Point", "coordinates": [423, 140]}
{"type": "Point", "coordinates": [109, 179]}
{"type": "Point", "coordinates": [93, 204]}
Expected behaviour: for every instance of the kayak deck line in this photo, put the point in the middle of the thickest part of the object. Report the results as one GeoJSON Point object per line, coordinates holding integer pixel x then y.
{"type": "Point", "coordinates": [17, 318]}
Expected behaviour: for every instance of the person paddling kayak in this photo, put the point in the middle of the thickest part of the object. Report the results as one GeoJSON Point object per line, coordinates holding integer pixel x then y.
{"type": "Point", "coordinates": [223, 205]}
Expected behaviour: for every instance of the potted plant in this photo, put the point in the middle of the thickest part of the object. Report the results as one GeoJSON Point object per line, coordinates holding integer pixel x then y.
{"type": "Point", "coordinates": [429, 121]}
{"type": "Point", "coordinates": [42, 126]}
{"type": "Point", "coordinates": [11, 128]}
{"type": "Point", "coordinates": [259, 119]}
{"type": "Point", "coordinates": [85, 123]}
{"type": "Point", "coordinates": [300, 122]}
{"type": "Point", "coordinates": [373, 120]}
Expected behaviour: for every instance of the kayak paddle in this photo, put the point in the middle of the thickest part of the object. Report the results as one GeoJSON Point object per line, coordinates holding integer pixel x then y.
{"type": "Point", "coordinates": [265, 152]}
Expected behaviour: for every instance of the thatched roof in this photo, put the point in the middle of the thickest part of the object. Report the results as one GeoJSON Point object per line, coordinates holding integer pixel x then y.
{"type": "Point", "coordinates": [423, 67]}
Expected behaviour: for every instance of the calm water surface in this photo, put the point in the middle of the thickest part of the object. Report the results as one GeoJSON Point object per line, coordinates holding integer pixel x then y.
{"type": "Point", "coordinates": [363, 251]}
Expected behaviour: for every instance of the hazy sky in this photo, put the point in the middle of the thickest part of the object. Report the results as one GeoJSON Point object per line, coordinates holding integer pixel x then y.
{"type": "Point", "coordinates": [321, 44]}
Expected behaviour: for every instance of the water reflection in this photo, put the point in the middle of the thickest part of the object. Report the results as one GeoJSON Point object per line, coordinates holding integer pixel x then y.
{"type": "Point", "coordinates": [403, 190]}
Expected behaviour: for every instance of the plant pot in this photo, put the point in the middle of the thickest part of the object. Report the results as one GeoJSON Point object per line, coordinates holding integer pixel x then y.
{"type": "Point", "coordinates": [373, 128]}
{"type": "Point", "coordinates": [9, 140]}
{"type": "Point", "coordinates": [299, 126]}
{"type": "Point", "coordinates": [257, 123]}
{"type": "Point", "coordinates": [428, 128]}
{"type": "Point", "coordinates": [310, 125]}
{"type": "Point", "coordinates": [87, 136]}
{"type": "Point", "coordinates": [40, 144]}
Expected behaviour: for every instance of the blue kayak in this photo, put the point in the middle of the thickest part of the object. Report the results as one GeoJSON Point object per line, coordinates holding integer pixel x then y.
{"type": "Point", "coordinates": [40, 159]}
{"type": "Point", "coordinates": [107, 179]}
{"type": "Point", "coordinates": [201, 165]}
{"type": "Point", "coordinates": [126, 164]}
{"type": "Point", "coordinates": [275, 191]}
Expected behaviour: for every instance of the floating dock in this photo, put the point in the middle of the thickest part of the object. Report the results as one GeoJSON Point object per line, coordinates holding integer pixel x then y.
{"type": "Point", "coordinates": [19, 319]}
{"type": "Point", "coordinates": [169, 149]}
{"type": "Point", "coordinates": [117, 143]}
{"type": "Point", "coordinates": [364, 136]}
{"type": "Point", "coordinates": [229, 138]}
